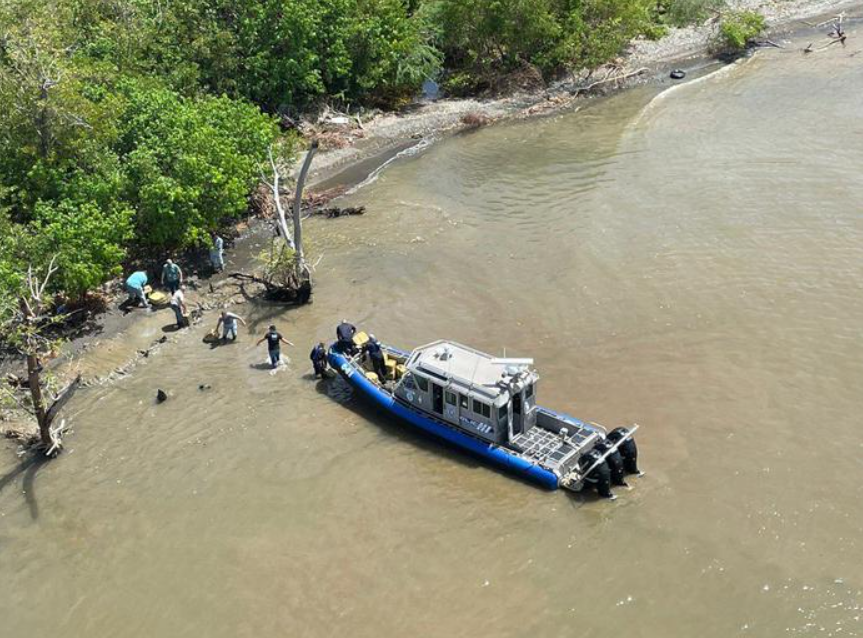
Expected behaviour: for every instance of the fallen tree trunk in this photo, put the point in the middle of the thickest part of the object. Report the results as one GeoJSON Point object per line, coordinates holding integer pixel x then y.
{"type": "Point", "coordinates": [297, 292]}
{"type": "Point", "coordinates": [336, 211]}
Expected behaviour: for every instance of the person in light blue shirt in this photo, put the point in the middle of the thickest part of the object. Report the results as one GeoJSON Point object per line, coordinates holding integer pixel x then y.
{"type": "Point", "coordinates": [135, 287]}
{"type": "Point", "coordinates": [217, 253]}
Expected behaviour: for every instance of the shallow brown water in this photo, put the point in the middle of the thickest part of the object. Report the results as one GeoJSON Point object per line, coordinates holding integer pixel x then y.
{"type": "Point", "coordinates": [692, 262]}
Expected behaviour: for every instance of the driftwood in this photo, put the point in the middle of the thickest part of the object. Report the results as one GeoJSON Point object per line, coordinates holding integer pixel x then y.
{"type": "Point", "coordinates": [335, 211]}
{"type": "Point", "coordinates": [299, 294]}
{"type": "Point", "coordinates": [836, 34]}
{"type": "Point", "coordinates": [608, 78]}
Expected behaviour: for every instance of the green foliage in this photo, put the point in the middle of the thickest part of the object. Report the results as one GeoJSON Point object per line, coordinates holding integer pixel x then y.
{"type": "Point", "coordinates": [277, 263]}
{"type": "Point", "coordinates": [285, 54]}
{"type": "Point", "coordinates": [680, 13]}
{"type": "Point", "coordinates": [87, 241]}
{"type": "Point", "coordinates": [484, 36]}
{"type": "Point", "coordinates": [598, 30]}
{"type": "Point", "coordinates": [11, 274]}
{"type": "Point", "coordinates": [139, 126]}
{"type": "Point", "coordinates": [737, 30]}
{"type": "Point", "coordinates": [190, 164]}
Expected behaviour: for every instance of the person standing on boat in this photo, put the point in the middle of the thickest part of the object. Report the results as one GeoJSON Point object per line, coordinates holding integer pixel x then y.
{"type": "Point", "coordinates": [376, 354]}
{"type": "Point", "coordinates": [345, 334]}
{"type": "Point", "coordinates": [274, 339]}
{"type": "Point", "coordinates": [228, 322]}
{"type": "Point", "coordinates": [319, 359]}
{"type": "Point", "coordinates": [172, 276]}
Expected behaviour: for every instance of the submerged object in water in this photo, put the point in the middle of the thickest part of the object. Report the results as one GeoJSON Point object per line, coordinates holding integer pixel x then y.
{"type": "Point", "coordinates": [487, 406]}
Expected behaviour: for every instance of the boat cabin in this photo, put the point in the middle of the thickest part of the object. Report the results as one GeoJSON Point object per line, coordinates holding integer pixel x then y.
{"type": "Point", "coordinates": [489, 397]}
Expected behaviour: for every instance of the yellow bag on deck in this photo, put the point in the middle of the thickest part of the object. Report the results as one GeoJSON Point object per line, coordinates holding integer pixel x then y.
{"type": "Point", "coordinates": [361, 339]}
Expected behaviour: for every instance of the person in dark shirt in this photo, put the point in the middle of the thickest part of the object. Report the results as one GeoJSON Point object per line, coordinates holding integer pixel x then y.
{"type": "Point", "coordinates": [345, 334]}
{"type": "Point", "coordinates": [319, 359]}
{"type": "Point", "coordinates": [274, 339]}
{"type": "Point", "coordinates": [376, 354]}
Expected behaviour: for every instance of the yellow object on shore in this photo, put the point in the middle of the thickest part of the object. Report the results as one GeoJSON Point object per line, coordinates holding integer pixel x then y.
{"type": "Point", "coordinates": [158, 298]}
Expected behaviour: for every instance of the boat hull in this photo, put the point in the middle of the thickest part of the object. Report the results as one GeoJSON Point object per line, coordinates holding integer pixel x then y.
{"type": "Point", "coordinates": [375, 395]}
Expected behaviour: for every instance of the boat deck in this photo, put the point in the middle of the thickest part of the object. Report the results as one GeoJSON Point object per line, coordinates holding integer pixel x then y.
{"type": "Point", "coordinates": [546, 447]}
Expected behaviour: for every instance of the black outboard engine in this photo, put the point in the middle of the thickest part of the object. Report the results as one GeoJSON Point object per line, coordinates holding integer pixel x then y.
{"type": "Point", "coordinates": [615, 463]}
{"type": "Point", "coordinates": [600, 476]}
{"type": "Point", "coordinates": [628, 450]}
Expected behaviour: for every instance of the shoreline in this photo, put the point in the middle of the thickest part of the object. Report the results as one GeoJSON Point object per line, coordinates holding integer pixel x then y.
{"type": "Point", "coordinates": [120, 341]}
{"type": "Point", "coordinates": [646, 61]}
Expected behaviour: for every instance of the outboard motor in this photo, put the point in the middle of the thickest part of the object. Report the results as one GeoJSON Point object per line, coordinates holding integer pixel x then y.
{"type": "Point", "coordinates": [628, 450]}
{"type": "Point", "coordinates": [615, 463]}
{"type": "Point", "coordinates": [600, 476]}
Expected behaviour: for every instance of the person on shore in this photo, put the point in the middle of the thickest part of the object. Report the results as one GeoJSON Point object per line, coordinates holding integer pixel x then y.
{"type": "Point", "coordinates": [345, 335]}
{"type": "Point", "coordinates": [319, 359]}
{"type": "Point", "coordinates": [172, 276]}
{"type": "Point", "coordinates": [376, 354]}
{"type": "Point", "coordinates": [135, 287]}
{"type": "Point", "coordinates": [217, 260]}
{"type": "Point", "coordinates": [274, 339]}
{"type": "Point", "coordinates": [178, 305]}
{"type": "Point", "coordinates": [228, 323]}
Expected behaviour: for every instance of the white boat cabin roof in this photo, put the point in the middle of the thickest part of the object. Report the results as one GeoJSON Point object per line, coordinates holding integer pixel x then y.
{"type": "Point", "coordinates": [468, 368]}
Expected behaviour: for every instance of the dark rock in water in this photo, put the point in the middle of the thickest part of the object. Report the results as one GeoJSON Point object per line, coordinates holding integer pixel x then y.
{"type": "Point", "coordinates": [678, 74]}
{"type": "Point", "coordinates": [161, 396]}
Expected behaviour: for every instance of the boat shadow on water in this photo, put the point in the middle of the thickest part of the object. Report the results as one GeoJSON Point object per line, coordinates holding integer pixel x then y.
{"type": "Point", "coordinates": [338, 390]}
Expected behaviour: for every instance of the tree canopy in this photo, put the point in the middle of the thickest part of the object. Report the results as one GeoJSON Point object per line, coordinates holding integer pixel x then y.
{"type": "Point", "coordinates": [131, 125]}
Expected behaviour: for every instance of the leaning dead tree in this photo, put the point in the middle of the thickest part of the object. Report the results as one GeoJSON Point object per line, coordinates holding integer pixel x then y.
{"type": "Point", "coordinates": [25, 329]}
{"type": "Point", "coordinates": [288, 276]}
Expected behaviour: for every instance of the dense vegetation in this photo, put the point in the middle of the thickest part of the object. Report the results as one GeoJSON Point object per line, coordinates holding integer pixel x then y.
{"type": "Point", "coordinates": [738, 29]}
{"type": "Point", "coordinates": [133, 126]}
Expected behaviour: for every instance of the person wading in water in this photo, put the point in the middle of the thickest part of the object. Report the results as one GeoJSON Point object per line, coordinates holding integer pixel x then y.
{"type": "Point", "coordinates": [228, 322]}
{"type": "Point", "coordinates": [273, 339]}
{"type": "Point", "coordinates": [318, 356]}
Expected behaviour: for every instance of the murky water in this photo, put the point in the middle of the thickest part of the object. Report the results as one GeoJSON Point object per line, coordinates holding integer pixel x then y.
{"type": "Point", "coordinates": [691, 261]}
